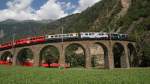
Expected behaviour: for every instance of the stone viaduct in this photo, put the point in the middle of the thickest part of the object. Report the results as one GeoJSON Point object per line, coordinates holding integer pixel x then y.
{"type": "Point", "coordinates": [107, 46]}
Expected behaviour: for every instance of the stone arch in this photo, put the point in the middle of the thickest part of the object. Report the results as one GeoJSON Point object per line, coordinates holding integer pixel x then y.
{"type": "Point", "coordinates": [103, 55]}
{"type": "Point", "coordinates": [133, 59]}
{"type": "Point", "coordinates": [49, 54]}
{"type": "Point", "coordinates": [75, 55]}
{"type": "Point", "coordinates": [25, 57]}
{"type": "Point", "coordinates": [118, 54]}
{"type": "Point", "coordinates": [7, 56]}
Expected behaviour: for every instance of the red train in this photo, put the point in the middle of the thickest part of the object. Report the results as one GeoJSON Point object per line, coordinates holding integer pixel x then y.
{"type": "Point", "coordinates": [36, 39]}
{"type": "Point", "coordinates": [22, 41]}
{"type": "Point", "coordinates": [6, 45]}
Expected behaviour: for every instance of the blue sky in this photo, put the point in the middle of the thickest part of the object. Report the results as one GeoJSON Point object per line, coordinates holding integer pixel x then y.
{"type": "Point", "coordinates": [41, 9]}
{"type": "Point", "coordinates": [2, 4]}
{"type": "Point", "coordinates": [38, 3]}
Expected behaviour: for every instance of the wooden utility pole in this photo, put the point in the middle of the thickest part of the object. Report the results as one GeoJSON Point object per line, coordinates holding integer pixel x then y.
{"type": "Point", "coordinates": [62, 39]}
{"type": "Point", "coordinates": [13, 48]}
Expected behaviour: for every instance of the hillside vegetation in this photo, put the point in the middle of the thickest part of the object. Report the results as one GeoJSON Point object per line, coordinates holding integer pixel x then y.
{"type": "Point", "coordinates": [132, 18]}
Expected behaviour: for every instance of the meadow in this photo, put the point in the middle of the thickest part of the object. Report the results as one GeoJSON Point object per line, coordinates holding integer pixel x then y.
{"type": "Point", "coordinates": [39, 75]}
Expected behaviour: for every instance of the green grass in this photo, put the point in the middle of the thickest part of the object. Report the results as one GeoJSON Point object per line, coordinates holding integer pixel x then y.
{"type": "Point", "coordinates": [26, 75]}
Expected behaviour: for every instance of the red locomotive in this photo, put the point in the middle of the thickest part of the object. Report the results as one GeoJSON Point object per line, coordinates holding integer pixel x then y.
{"type": "Point", "coordinates": [37, 39]}
{"type": "Point", "coordinates": [24, 41]}
{"type": "Point", "coordinates": [6, 45]}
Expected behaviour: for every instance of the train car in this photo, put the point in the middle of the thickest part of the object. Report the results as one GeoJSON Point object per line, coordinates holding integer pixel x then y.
{"type": "Point", "coordinates": [6, 45]}
{"type": "Point", "coordinates": [73, 35]}
{"type": "Point", "coordinates": [37, 39]}
{"type": "Point", "coordinates": [94, 35]}
{"type": "Point", "coordinates": [22, 41]}
{"type": "Point", "coordinates": [123, 36]}
{"type": "Point", "coordinates": [50, 37]}
{"type": "Point", "coordinates": [114, 36]}
{"type": "Point", "coordinates": [101, 35]}
{"type": "Point", "coordinates": [87, 34]}
{"type": "Point", "coordinates": [55, 36]}
{"type": "Point", "coordinates": [64, 36]}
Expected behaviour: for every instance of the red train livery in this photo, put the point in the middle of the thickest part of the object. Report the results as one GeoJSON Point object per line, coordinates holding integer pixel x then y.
{"type": "Point", "coordinates": [36, 39]}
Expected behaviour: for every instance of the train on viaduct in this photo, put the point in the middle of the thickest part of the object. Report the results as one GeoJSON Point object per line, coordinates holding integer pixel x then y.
{"type": "Point", "coordinates": [11, 51]}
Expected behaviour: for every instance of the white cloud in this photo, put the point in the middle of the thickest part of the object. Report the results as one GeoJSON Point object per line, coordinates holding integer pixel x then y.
{"type": "Point", "coordinates": [18, 10]}
{"type": "Point", "coordinates": [52, 9]}
{"type": "Point", "coordinates": [19, 5]}
{"type": "Point", "coordinates": [21, 10]}
{"type": "Point", "coordinates": [83, 4]}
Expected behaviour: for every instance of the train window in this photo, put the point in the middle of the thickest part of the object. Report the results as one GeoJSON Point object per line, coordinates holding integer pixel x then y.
{"type": "Point", "coordinates": [86, 33]}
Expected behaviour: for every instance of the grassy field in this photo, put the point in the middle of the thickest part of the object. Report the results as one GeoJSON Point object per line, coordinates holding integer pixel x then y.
{"type": "Point", "coordinates": [26, 75]}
